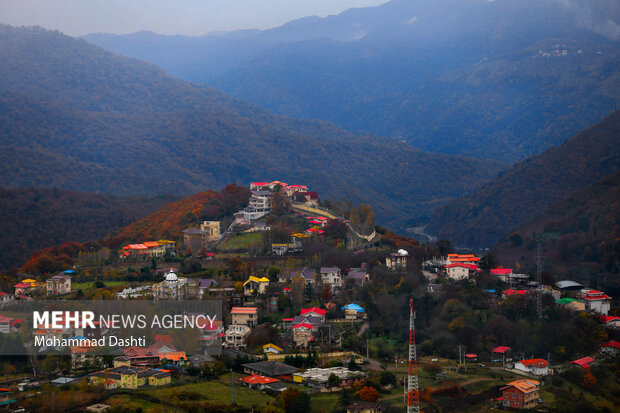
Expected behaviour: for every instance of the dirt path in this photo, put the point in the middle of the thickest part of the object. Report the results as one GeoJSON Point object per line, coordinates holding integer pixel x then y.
{"type": "Point", "coordinates": [473, 381]}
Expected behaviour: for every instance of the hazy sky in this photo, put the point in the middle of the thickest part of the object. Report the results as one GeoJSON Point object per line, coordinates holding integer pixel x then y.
{"type": "Point", "coordinates": [192, 17]}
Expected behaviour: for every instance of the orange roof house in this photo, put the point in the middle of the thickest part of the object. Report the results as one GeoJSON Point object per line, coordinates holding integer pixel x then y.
{"type": "Point", "coordinates": [520, 394]}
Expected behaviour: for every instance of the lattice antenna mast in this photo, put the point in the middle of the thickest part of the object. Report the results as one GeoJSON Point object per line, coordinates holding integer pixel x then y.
{"type": "Point", "coordinates": [413, 395]}
{"type": "Point", "coordinates": [539, 279]}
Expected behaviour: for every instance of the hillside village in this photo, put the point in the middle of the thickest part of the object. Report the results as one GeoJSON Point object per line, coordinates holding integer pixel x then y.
{"type": "Point", "coordinates": [314, 303]}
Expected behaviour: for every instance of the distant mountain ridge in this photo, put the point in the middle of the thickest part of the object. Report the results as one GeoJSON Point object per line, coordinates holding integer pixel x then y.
{"type": "Point", "coordinates": [497, 80]}
{"type": "Point", "coordinates": [531, 187]}
{"type": "Point", "coordinates": [95, 121]}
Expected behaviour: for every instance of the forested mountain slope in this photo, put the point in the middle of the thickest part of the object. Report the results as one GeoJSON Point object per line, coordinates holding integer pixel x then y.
{"type": "Point", "coordinates": [34, 218]}
{"type": "Point", "coordinates": [76, 116]}
{"type": "Point", "coordinates": [531, 187]}
{"type": "Point", "coordinates": [583, 228]}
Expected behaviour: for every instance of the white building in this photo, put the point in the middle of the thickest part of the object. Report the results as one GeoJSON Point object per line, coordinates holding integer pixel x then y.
{"type": "Point", "coordinates": [332, 276]}
{"type": "Point", "coordinates": [260, 205]}
{"type": "Point", "coordinates": [596, 301]}
{"type": "Point", "coordinates": [236, 335]}
{"type": "Point", "coordinates": [537, 367]}
{"type": "Point", "coordinates": [460, 271]}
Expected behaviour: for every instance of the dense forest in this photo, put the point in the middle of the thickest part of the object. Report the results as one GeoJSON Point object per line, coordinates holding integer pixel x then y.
{"type": "Point", "coordinates": [502, 79]}
{"type": "Point", "coordinates": [530, 187]}
{"type": "Point", "coordinates": [95, 121]}
{"type": "Point", "coordinates": [34, 218]}
{"type": "Point", "coordinates": [582, 230]}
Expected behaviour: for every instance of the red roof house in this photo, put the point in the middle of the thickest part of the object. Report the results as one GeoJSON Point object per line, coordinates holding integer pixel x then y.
{"type": "Point", "coordinates": [315, 310]}
{"type": "Point", "coordinates": [501, 271]}
{"type": "Point", "coordinates": [510, 292]}
{"type": "Point", "coordinates": [538, 367]}
{"type": "Point", "coordinates": [256, 379]}
{"type": "Point", "coordinates": [584, 363]}
{"type": "Point", "coordinates": [612, 348]}
{"type": "Point", "coordinates": [501, 349]}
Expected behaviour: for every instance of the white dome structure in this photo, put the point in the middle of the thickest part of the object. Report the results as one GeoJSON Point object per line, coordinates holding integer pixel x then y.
{"type": "Point", "coordinates": [171, 277]}
{"type": "Point", "coordinates": [403, 252]}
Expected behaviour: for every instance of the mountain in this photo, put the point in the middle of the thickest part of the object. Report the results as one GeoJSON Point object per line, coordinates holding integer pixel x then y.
{"type": "Point", "coordinates": [77, 116]}
{"type": "Point", "coordinates": [501, 80]}
{"type": "Point", "coordinates": [583, 228]}
{"type": "Point", "coordinates": [530, 187]}
{"type": "Point", "coordinates": [34, 218]}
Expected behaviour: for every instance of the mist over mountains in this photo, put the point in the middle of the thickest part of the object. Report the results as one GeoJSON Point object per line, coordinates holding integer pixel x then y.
{"type": "Point", "coordinates": [76, 116]}
{"type": "Point", "coordinates": [501, 80]}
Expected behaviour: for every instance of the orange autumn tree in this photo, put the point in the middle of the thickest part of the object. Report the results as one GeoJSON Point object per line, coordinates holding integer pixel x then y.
{"type": "Point", "coordinates": [368, 394]}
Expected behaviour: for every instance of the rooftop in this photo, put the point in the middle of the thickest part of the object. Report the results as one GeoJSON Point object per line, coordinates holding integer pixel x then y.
{"type": "Point", "coordinates": [583, 362]}
{"type": "Point", "coordinates": [271, 368]}
{"type": "Point", "coordinates": [243, 310]}
{"type": "Point", "coordinates": [525, 385]}
{"type": "Point", "coordinates": [315, 310]}
{"type": "Point", "coordinates": [535, 363]}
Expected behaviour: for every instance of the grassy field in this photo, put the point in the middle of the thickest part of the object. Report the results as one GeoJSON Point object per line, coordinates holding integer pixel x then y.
{"type": "Point", "coordinates": [129, 402]}
{"type": "Point", "coordinates": [324, 401]}
{"type": "Point", "coordinates": [242, 241]}
{"type": "Point", "coordinates": [216, 392]}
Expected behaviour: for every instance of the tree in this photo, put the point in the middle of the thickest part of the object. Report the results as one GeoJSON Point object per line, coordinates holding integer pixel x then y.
{"type": "Point", "coordinates": [387, 378]}
{"type": "Point", "coordinates": [263, 334]}
{"type": "Point", "coordinates": [589, 381]}
{"type": "Point", "coordinates": [284, 302]}
{"type": "Point", "coordinates": [488, 261]}
{"type": "Point", "coordinates": [326, 293]}
{"type": "Point", "coordinates": [273, 271]}
{"type": "Point", "coordinates": [333, 380]}
{"type": "Point", "coordinates": [345, 398]}
{"type": "Point", "coordinates": [294, 401]}
{"type": "Point", "coordinates": [368, 394]}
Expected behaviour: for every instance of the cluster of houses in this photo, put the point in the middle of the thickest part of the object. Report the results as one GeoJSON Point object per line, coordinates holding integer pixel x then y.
{"type": "Point", "coordinates": [264, 374]}
{"type": "Point", "coordinates": [261, 199]}
{"type": "Point", "coordinates": [28, 287]}
{"type": "Point", "coordinates": [466, 266]}
{"type": "Point", "coordinates": [147, 250]}
{"type": "Point", "coordinates": [332, 276]}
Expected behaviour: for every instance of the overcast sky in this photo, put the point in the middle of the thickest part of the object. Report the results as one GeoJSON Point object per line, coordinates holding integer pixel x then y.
{"type": "Point", "coordinates": [191, 17]}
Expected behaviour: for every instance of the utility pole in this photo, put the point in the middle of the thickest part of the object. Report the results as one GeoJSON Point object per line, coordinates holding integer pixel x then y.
{"type": "Point", "coordinates": [539, 279]}
{"type": "Point", "coordinates": [234, 393]}
{"type": "Point", "coordinates": [413, 395]}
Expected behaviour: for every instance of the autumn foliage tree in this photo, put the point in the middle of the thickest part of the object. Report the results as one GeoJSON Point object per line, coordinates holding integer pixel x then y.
{"type": "Point", "coordinates": [589, 381]}
{"type": "Point", "coordinates": [368, 394]}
